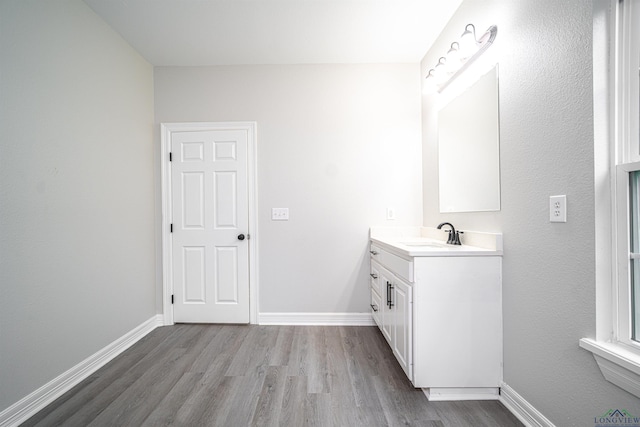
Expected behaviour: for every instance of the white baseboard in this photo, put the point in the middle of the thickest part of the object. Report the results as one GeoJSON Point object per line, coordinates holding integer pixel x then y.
{"type": "Point", "coordinates": [34, 402]}
{"type": "Point", "coordinates": [326, 319]}
{"type": "Point", "coordinates": [443, 394]}
{"type": "Point", "coordinates": [522, 409]}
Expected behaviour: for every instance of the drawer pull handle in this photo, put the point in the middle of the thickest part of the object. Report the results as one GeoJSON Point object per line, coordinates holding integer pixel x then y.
{"type": "Point", "coordinates": [374, 307]}
{"type": "Point", "coordinates": [375, 276]}
{"type": "Point", "coordinates": [373, 252]}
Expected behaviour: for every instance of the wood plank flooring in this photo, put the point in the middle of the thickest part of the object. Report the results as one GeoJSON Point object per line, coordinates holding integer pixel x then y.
{"type": "Point", "coordinates": [238, 375]}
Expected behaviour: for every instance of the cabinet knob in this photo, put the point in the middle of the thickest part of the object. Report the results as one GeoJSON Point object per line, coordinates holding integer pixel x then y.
{"type": "Point", "coordinates": [373, 252]}
{"type": "Point", "coordinates": [375, 276]}
{"type": "Point", "coordinates": [374, 307]}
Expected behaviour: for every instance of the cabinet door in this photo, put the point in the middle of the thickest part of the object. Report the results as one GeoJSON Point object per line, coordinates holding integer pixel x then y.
{"type": "Point", "coordinates": [402, 326]}
{"type": "Point", "coordinates": [386, 282]}
{"type": "Point", "coordinates": [458, 322]}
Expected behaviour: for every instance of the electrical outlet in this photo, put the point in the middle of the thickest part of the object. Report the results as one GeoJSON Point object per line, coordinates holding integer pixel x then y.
{"type": "Point", "coordinates": [558, 208]}
{"type": "Point", "coordinates": [280, 214]}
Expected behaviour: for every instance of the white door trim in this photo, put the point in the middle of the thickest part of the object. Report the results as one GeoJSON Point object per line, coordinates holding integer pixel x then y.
{"type": "Point", "coordinates": [165, 166]}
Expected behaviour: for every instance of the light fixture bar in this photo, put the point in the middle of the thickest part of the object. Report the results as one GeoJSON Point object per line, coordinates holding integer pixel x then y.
{"type": "Point", "coordinates": [481, 44]}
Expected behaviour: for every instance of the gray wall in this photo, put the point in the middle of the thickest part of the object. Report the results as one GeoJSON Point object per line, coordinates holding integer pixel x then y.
{"type": "Point", "coordinates": [76, 190]}
{"type": "Point", "coordinates": [337, 144]}
{"type": "Point", "coordinates": [544, 49]}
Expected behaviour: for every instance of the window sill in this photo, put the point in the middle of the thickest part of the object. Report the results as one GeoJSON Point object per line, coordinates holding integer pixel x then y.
{"type": "Point", "coordinates": [618, 364]}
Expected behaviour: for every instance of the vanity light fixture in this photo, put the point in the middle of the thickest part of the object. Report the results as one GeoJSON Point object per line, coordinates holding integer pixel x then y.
{"type": "Point", "coordinates": [460, 55]}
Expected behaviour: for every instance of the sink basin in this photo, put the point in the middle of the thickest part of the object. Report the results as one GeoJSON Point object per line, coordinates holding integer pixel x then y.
{"type": "Point", "coordinates": [424, 244]}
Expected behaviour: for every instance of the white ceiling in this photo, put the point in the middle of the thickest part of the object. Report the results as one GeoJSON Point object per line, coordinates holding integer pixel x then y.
{"type": "Point", "coordinates": [227, 32]}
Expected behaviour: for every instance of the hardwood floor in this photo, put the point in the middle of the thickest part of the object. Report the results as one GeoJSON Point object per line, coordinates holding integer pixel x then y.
{"type": "Point", "coordinates": [232, 375]}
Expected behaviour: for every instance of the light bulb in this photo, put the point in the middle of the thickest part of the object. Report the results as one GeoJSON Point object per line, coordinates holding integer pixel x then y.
{"type": "Point", "coordinates": [468, 42]}
{"type": "Point", "coordinates": [453, 58]}
{"type": "Point", "coordinates": [440, 72]}
{"type": "Point", "coordinates": [429, 85]}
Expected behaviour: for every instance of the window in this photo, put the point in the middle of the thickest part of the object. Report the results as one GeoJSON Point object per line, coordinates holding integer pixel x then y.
{"type": "Point", "coordinates": [625, 324]}
{"type": "Point", "coordinates": [616, 346]}
{"type": "Point", "coordinates": [634, 255]}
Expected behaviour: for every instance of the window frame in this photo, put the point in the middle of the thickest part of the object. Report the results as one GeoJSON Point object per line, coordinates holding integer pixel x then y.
{"type": "Point", "coordinates": [616, 154]}
{"type": "Point", "coordinates": [627, 144]}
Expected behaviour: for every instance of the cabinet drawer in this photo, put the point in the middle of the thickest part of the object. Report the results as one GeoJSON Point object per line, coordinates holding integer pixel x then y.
{"type": "Point", "coordinates": [399, 266]}
{"type": "Point", "coordinates": [374, 278]}
{"type": "Point", "coordinates": [376, 308]}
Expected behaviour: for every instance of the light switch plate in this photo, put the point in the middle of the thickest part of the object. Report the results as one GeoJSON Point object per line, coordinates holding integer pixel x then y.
{"type": "Point", "coordinates": [280, 214]}
{"type": "Point", "coordinates": [558, 208]}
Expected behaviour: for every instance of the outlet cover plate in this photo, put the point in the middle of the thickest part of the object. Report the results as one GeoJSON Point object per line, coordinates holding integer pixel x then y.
{"type": "Point", "coordinates": [558, 208]}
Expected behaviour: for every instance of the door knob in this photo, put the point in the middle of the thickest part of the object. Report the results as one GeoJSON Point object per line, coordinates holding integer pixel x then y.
{"type": "Point", "coordinates": [240, 236]}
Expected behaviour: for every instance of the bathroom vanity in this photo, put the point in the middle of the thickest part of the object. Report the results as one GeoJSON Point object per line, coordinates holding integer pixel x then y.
{"type": "Point", "coordinates": [439, 307]}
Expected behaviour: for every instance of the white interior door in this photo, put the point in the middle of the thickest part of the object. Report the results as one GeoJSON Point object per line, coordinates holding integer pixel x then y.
{"type": "Point", "coordinates": [210, 219]}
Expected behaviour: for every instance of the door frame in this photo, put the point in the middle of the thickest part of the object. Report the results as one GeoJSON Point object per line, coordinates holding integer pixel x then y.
{"type": "Point", "coordinates": [166, 129]}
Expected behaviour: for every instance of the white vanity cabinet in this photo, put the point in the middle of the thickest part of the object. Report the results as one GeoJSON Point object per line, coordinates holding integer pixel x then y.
{"type": "Point", "coordinates": [442, 316]}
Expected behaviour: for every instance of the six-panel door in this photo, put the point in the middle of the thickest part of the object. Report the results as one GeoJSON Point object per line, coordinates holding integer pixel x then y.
{"type": "Point", "coordinates": [209, 191]}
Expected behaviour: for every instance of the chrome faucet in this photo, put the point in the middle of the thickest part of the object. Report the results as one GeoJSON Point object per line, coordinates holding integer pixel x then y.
{"type": "Point", "coordinates": [454, 236]}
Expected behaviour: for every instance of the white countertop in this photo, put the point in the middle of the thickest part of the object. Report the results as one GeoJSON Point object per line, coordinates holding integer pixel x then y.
{"type": "Point", "coordinates": [424, 241]}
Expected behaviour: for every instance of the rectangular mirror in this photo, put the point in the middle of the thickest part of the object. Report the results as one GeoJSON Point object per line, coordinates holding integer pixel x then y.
{"type": "Point", "coordinates": [469, 149]}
